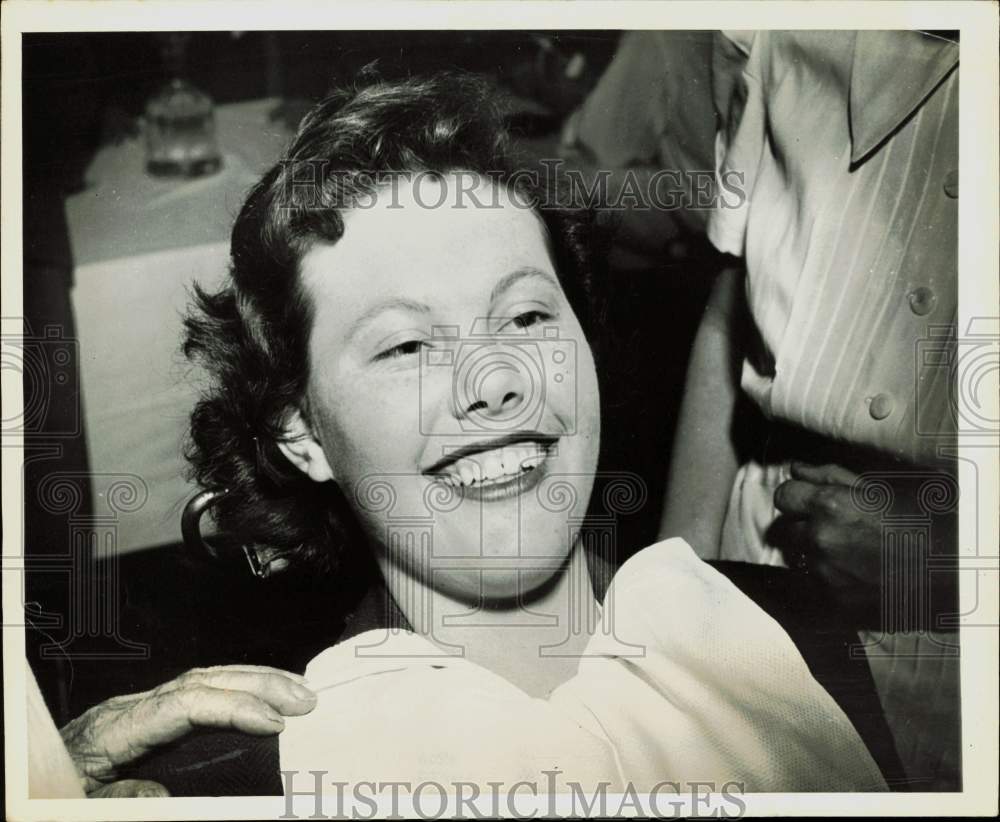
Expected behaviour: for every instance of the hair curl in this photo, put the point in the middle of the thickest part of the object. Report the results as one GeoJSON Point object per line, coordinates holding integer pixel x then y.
{"type": "Point", "coordinates": [251, 335]}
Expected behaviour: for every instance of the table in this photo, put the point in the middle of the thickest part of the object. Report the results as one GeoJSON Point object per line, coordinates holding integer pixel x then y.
{"type": "Point", "coordinates": [138, 244]}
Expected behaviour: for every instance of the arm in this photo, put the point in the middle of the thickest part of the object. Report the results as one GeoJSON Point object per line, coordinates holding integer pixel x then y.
{"type": "Point", "coordinates": [650, 113]}
{"type": "Point", "coordinates": [704, 460]}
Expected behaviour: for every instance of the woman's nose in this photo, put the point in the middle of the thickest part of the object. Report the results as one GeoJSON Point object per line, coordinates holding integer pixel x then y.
{"type": "Point", "coordinates": [495, 388]}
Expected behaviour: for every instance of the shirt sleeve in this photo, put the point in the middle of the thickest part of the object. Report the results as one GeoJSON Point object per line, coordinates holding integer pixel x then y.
{"type": "Point", "coordinates": [739, 141]}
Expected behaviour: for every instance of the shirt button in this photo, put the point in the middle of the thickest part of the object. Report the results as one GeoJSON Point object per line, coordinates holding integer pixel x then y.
{"type": "Point", "coordinates": [880, 407]}
{"type": "Point", "coordinates": [951, 184]}
{"type": "Point", "coordinates": [922, 301]}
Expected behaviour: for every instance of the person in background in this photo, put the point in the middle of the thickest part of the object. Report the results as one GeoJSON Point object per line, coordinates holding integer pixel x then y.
{"type": "Point", "coordinates": [651, 111]}
{"type": "Point", "coordinates": [809, 431]}
{"type": "Point", "coordinates": [648, 129]}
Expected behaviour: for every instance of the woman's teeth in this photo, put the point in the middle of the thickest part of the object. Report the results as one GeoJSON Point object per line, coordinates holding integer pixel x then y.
{"type": "Point", "coordinates": [494, 466]}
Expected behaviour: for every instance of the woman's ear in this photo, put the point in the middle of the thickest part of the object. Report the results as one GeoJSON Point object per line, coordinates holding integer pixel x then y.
{"type": "Point", "coordinates": [303, 450]}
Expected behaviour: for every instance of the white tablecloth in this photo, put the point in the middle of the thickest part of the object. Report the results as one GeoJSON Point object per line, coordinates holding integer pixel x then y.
{"type": "Point", "coordinates": [138, 244]}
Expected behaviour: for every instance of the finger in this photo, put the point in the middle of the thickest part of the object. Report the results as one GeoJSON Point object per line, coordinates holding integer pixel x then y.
{"type": "Point", "coordinates": [786, 532]}
{"type": "Point", "coordinates": [793, 537]}
{"type": "Point", "coordinates": [829, 474]}
{"type": "Point", "coordinates": [248, 702]}
{"type": "Point", "coordinates": [235, 710]}
{"type": "Point", "coordinates": [797, 498]}
{"type": "Point", "coordinates": [820, 503]}
{"type": "Point", "coordinates": [286, 696]}
{"type": "Point", "coordinates": [129, 788]}
{"type": "Point", "coordinates": [244, 669]}
{"type": "Point", "coordinates": [799, 560]}
{"type": "Point", "coordinates": [159, 719]}
{"type": "Point", "coordinates": [257, 669]}
{"type": "Point", "coordinates": [838, 576]}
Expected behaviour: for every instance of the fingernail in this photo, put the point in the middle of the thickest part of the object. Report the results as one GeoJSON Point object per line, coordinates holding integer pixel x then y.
{"type": "Point", "coordinates": [303, 693]}
{"type": "Point", "coordinates": [273, 716]}
{"type": "Point", "coordinates": [153, 792]}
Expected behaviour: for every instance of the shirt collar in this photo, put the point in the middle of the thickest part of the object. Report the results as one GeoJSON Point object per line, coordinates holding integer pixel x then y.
{"type": "Point", "coordinates": [891, 75]}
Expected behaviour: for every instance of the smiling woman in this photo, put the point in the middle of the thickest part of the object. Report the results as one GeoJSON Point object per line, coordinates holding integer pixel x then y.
{"type": "Point", "coordinates": [404, 389]}
{"type": "Point", "coordinates": [320, 248]}
{"type": "Point", "coordinates": [374, 406]}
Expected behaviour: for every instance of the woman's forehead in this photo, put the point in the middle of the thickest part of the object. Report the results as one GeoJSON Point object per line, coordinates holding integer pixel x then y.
{"type": "Point", "coordinates": [456, 203]}
{"type": "Point", "coordinates": [427, 240]}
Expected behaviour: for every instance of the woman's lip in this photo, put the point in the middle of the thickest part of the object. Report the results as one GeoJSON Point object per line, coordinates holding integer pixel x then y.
{"type": "Point", "coordinates": [547, 441]}
{"type": "Point", "coordinates": [507, 489]}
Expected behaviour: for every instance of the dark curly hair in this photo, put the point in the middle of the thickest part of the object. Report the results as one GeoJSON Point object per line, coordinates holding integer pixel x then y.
{"type": "Point", "coordinates": [252, 335]}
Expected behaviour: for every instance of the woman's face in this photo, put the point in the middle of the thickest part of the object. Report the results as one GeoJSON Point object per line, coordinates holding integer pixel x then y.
{"type": "Point", "coordinates": [451, 393]}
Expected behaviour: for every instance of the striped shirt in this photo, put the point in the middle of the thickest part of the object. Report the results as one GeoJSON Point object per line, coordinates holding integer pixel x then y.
{"type": "Point", "coordinates": [848, 223]}
{"type": "Point", "coordinates": [848, 147]}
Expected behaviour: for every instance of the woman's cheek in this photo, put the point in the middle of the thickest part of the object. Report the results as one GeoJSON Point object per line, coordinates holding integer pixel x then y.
{"type": "Point", "coordinates": [376, 426]}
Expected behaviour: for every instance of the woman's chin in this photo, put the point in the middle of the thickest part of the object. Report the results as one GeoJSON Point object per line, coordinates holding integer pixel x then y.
{"type": "Point", "coordinates": [496, 586]}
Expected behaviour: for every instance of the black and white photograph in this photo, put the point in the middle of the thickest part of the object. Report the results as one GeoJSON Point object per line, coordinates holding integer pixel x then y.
{"type": "Point", "coordinates": [500, 410]}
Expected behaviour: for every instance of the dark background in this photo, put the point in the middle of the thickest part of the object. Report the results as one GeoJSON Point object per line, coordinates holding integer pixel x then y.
{"type": "Point", "coordinates": [83, 90]}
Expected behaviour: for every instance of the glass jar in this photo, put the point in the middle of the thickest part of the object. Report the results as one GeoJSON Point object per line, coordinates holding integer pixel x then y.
{"type": "Point", "coordinates": [180, 132]}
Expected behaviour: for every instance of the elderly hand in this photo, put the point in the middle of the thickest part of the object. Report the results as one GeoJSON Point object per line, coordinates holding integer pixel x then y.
{"type": "Point", "coordinates": [248, 698]}
{"type": "Point", "coordinates": [823, 530]}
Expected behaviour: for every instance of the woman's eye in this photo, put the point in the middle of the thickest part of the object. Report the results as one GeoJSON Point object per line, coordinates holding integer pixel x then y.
{"type": "Point", "coordinates": [530, 318]}
{"type": "Point", "coordinates": [403, 349]}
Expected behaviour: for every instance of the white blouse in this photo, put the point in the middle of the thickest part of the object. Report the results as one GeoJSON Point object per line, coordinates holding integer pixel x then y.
{"type": "Point", "coordinates": [690, 681]}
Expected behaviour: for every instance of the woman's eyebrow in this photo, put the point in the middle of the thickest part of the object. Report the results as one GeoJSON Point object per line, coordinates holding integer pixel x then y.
{"type": "Point", "coordinates": [509, 280]}
{"type": "Point", "coordinates": [390, 304]}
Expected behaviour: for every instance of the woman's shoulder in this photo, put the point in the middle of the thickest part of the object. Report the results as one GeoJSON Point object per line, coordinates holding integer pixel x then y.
{"type": "Point", "coordinates": [669, 564]}
{"type": "Point", "coordinates": [771, 630]}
